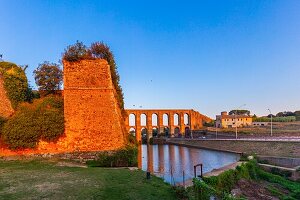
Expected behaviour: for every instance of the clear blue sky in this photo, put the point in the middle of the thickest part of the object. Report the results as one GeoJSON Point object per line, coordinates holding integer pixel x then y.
{"type": "Point", "coordinates": [206, 55]}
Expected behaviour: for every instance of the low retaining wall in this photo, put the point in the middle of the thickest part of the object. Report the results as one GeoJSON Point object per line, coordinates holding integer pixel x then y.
{"type": "Point", "coordinates": [280, 161]}
{"type": "Point", "coordinates": [263, 148]}
{"type": "Point", "coordinates": [291, 173]}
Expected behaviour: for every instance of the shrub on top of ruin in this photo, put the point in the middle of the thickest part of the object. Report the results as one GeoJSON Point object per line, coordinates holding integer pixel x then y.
{"type": "Point", "coordinates": [48, 77]}
{"type": "Point", "coordinates": [76, 52]}
{"type": "Point", "coordinates": [15, 83]}
{"type": "Point", "coordinates": [43, 119]}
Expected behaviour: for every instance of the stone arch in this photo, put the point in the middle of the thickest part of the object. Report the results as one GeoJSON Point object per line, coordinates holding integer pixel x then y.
{"type": "Point", "coordinates": [132, 119]}
{"type": "Point", "coordinates": [186, 119]}
{"type": "Point", "coordinates": [154, 132]}
{"type": "Point", "coordinates": [132, 131]}
{"type": "Point", "coordinates": [144, 133]}
{"type": "Point", "coordinates": [166, 131]}
{"type": "Point", "coordinates": [154, 119]}
{"type": "Point", "coordinates": [143, 118]}
{"type": "Point", "coordinates": [165, 119]}
{"type": "Point", "coordinates": [176, 119]}
{"type": "Point", "coordinates": [187, 132]}
{"type": "Point", "coordinates": [176, 132]}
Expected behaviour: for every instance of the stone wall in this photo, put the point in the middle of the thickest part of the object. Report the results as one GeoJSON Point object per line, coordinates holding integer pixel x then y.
{"type": "Point", "coordinates": [5, 105]}
{"type": "Point", "coordinates": [93, 119]}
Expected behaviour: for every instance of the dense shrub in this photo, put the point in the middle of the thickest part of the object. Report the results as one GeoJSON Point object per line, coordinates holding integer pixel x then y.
{"type": "Point", "coordinates": [125, 157]}
{"type": "Point", "coordinates": [132, 140]}
{"type": "Point", "coordinates": [202, 190]}
{"type": "Point", "coordinates": [2, 121]}
{"type": "Point", "coordinates": [15, 83]}
{"type": "Point", "coordinates": [76, 52]}
{"type": "Point", "coordinates": [43, 119]}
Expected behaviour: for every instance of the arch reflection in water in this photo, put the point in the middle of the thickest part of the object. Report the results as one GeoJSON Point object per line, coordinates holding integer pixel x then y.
{"type": "Point", "coordinates": [169, 161]}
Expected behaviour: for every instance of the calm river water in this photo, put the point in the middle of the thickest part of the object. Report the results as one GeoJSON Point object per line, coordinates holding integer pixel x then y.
{"type": "Point", "coordinates": [169, 161]}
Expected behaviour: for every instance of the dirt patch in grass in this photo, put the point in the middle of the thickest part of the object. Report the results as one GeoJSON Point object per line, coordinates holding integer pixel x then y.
{"type": "Point", "coordinates": [254, 190]}
{"type": "Point", "coordinates": [70, 164]}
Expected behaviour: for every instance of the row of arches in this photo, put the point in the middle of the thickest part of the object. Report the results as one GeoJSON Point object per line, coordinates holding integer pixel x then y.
{"type": "Point", "coordinates": [154, 119]}
{"type": "Point", "coordinates": [155, 132]}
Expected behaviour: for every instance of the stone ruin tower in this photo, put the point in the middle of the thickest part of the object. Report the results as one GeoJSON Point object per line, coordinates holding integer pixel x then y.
{"type": "Point", "coordinates": [6, 108]}
{"type": "Point", "coordinates": [93, 119]}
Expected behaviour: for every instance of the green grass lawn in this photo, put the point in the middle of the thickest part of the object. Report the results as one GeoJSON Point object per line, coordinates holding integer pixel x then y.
{"type": "Point", "coordinates": [48, 180]}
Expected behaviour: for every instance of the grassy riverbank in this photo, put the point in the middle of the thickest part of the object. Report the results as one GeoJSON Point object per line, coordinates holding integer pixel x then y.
{"type": "Point", "coordinates": [247, 181]}
{"type": "Point", "coordinates": [61, 180]}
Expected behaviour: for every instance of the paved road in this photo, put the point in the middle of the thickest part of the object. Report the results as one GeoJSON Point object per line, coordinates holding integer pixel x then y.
{"type": "Point", "coordinates": [254, 139]}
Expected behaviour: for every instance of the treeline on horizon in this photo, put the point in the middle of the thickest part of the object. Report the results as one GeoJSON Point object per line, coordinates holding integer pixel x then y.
{"type": "Point", "coordinates": [285, 116]}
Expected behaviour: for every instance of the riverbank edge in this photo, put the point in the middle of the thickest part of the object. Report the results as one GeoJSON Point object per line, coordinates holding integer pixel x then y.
{"type": "Point", "coordinates": [200, 147]}
{"type": "Point", "coordinates": [260, 148]}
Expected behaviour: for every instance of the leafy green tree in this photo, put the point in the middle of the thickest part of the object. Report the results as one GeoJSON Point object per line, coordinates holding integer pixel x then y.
{"type": "Point", "coordinates": [297, 115]}
{"type": "Point", "coordinates": [48, 77]}
{"type": "Point", "coordinates": [239, 112]}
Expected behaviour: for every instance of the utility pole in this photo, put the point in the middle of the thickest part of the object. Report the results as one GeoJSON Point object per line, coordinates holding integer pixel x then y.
{"type": "Point", "coordinates": [271, 122]}
{"type": "Point", "coordinates": [236, 133]}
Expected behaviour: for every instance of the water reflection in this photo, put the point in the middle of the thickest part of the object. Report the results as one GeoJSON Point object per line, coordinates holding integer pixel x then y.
{"type": "Point", "coordinates": [170, 161]}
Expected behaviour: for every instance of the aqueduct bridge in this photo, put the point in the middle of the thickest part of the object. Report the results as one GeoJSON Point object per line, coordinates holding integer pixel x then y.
{"type": "Point", "coordinates": [169, 122]}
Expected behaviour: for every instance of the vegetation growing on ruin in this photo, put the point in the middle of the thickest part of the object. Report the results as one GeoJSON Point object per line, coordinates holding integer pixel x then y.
{"type": "Point", "coordinates": [79, 51]}
{"type": "Point", "coordinates": [15, 83]}
{"type": "Point", "coordinates": [43, 119]}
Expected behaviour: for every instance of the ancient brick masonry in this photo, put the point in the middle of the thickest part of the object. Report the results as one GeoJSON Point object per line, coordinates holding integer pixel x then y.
{"type": "Point", "coordinates": [93, 119]}
{"type": "Point", "coordinates": [5, 105]}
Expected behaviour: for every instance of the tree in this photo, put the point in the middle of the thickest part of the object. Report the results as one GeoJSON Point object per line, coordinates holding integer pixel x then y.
{"type": "Point", "coordinates": [239, 112]}
{"type": "Point", "coordinates": [269, 116]}
{"type": "Point", "coordinates": [48, 77]}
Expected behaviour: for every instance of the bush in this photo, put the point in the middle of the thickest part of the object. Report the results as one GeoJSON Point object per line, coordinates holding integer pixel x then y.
{"type": "Point", "coordinates": [2, 122]}
{"type": "Point", "coordinates": [125, 157]}
{"type": "Point", "coordinates": [132, 140]}
{"type": "Point", "coordinates": [76, 52]}
{"type": "Point", "coordinates": [15, 83]}
{"type": "Point", "coordinates": [43, 119]}
{"type": "Point", "coordinates": [202, 190]}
